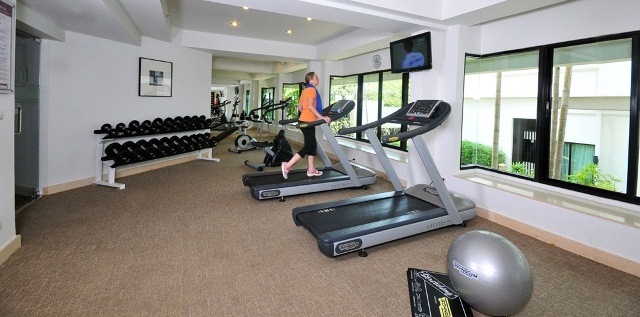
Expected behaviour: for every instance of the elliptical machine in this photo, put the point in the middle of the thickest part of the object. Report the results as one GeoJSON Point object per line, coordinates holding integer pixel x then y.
{"type": "Point", "coordinates": [243, 142]}
{"type": "Point", "coordinates": [279, 150]}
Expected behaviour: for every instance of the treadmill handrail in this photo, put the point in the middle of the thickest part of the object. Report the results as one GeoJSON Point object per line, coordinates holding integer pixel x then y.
{"type": "Point", "coordinates": [443, 113]}
{"type": "Point", "coordinates": [265, 109]}
{"type": "Point", "coordinates": [379, 122]}
{"type": "Point", "coordinates": [325, 112]}
{"type": "Point", "coordinates": [406, 135]}
{"type": "Point", "coordinates": [278, 106]}
{"type": "Point", "coordinates": [288, 121]}
{"type": "Point", "coordinates": [302, 124]}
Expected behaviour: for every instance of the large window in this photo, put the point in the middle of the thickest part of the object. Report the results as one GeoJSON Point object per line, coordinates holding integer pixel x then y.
{"type": "Point", "coordinates": [499, 113]}
{"type": "Point", "coordinates": [590, 104]}
{"type": "Point", "coordinates": [377, 95]}
{"type": "Point", "coordinates": [557, 114]}
{"type": "Point", "coordinates": [345, 88]}
{"type": "Point", "coordinates": [293, 91]}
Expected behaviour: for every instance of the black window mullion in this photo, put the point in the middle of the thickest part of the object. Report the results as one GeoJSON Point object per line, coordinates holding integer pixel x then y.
{"type": "Point", "coordinates": [543, 122]}
{"type": "Point", "coordinates": [634, 125]}
{"type": "Point", "coordinates": [380, 82]}
{"type": "Point", "coordinates": [405, 100]}
{"type": "Point", "coordinates": [360, 97]}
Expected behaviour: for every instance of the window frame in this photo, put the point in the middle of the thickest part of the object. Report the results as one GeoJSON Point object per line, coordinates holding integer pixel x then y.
{"type": "Point", "coordinates": [360, 136]}
{"type": "Point", "coordinates": [543, 121]}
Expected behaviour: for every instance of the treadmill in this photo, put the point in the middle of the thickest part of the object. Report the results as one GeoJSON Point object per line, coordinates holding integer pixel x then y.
{"type": "Point", "coordinates": [354, 224]}
{"type": "Point", "coordinates": [343, 174]}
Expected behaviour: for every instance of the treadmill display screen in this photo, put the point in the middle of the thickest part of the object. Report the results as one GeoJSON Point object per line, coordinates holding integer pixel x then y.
{"type": "Point", "coordinates": [342, 106]}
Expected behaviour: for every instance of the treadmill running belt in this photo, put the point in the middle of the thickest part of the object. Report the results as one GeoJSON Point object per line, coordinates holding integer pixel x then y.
{"type": "Point", "coordinates": [362, 213]}
{"type": "Point", "coordinates": [294, 176]}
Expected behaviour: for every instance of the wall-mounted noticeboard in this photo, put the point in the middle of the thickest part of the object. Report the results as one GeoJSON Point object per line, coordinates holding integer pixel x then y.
{"type": "Point", "coordinates": [7, 31]}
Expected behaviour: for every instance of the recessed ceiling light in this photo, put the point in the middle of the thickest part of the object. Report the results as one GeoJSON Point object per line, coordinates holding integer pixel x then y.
{"type": "Point", "coordinates": [309, 19]}
{"type": "Point", "coordinates": [289, 31]}
{"type": "Point", "coordinates": [234, 23]}
{"type": "Point", "coordinates": [245, 7]}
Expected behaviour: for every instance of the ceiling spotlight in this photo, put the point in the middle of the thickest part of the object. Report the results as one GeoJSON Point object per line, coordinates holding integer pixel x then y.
{"type": "Point", "coordinates": [289, 31]}
{"type": "Point", "coordinates": [309, 19]}
{"type": "Point", "coordinates": [234, 23]}
{"type": "Point", "coordinates": [245, 7]}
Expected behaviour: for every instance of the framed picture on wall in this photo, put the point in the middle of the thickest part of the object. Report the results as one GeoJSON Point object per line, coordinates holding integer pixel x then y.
{"type": "Point", "coordinates": [154, 78]}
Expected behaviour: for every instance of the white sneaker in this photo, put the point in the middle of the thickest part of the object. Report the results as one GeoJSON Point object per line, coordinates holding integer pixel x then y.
{"type": "Point", "coordinates": [314, 173]}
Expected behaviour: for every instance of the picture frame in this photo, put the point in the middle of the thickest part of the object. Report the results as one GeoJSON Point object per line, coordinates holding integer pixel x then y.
{"type": "Point", "coordinates": [155, 78]}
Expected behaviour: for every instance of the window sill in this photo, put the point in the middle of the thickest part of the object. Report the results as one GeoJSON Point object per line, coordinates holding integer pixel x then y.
{"type": "Point", "coordinates": [394, 155]}
{"type": "Point", "coordinates": [610, 210]}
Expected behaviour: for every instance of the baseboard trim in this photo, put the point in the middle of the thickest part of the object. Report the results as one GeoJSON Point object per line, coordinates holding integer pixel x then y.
{"type": "Point", "coordinates": [597, 255]}
{"type": "Point", "coordinates": [119, 173]}
{"type": "Point", "coordinates": [10, 248]}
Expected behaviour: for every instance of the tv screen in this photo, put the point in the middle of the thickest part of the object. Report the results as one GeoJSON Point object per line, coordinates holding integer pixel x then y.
{"type": "Point", "coordinates": [411, 53]}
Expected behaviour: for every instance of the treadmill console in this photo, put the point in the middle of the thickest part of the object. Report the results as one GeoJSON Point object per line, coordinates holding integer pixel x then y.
{"type": "Point", "coordinates": [423, 108]}
{"type": "Point", "coordinates": [340, 107]}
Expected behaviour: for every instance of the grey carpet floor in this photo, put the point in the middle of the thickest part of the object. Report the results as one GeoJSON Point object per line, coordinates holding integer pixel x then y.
{"type": "Point", "coordinates": [188, 240]}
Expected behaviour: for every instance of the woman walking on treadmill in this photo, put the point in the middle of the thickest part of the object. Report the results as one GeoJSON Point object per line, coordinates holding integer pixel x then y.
{"type": "Point", "coordinates": [310, 107]}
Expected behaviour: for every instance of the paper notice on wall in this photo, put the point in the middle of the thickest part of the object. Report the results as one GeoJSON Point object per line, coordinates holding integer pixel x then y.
{"type": "Point", "coordinates": [6, 41]}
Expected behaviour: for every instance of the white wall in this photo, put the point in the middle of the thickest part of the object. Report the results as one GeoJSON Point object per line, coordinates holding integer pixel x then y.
{"type": "Point", "coordinates": [7, 180]}
{"type": "Point", "coordinates": [7, 198]}
{"type": "Point", "coordinates": [88, 81]}
{"type": "Point", "coordinates": [563, 22]}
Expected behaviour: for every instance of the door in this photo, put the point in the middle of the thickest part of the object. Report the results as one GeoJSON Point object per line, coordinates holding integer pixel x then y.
{"type": "Point", "coordinates": [27, 115]}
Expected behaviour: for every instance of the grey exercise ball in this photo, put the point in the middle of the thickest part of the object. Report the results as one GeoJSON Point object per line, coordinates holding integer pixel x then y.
{"type": "Point", "coordinates": [490, 273]}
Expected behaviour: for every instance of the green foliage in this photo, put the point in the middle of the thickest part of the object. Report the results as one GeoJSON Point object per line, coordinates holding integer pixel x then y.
{"type": "Point", "coordinates": [392, 93]}
{"type": "Point", "coordinates": [474, 153]}
{"type": "Point", "coordinates": [292, 109]}
{"type": "Point", "coordinates": [339, 124]}
{"type": "Point", "coordinates": [342, 90]}
{"type": "Point", "coordinates": [590, 175]}
{"type": "Point", "coordinates": [521, 169]}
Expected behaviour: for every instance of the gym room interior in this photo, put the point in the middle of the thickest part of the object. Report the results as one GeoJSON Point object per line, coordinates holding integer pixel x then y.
{"type": "Point", "coordinates": [185, 237]}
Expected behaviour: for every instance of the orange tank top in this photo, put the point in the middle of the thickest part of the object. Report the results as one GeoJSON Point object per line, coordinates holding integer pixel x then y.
{"type": "Point", "coordinates": [307, 115]}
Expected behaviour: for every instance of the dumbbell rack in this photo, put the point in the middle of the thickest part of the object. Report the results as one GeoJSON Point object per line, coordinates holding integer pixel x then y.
{"type": "Point", "coordinates": [103, 142]}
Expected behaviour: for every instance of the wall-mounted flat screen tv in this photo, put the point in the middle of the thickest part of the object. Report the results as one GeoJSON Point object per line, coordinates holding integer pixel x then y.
{"type": "Point", "coordinates": [411, 53]}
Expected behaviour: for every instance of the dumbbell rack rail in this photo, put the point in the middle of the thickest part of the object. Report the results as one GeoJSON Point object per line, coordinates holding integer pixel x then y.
{"type": "Point", "coordinates": [111, 171]}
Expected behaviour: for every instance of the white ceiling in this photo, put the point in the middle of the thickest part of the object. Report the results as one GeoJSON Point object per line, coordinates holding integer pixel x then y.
{"type": "Point", "coordinates": [365, 25]}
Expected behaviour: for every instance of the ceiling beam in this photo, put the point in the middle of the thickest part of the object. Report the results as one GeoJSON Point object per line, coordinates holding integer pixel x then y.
{"type": "Point", "coordinates": [121, 15]}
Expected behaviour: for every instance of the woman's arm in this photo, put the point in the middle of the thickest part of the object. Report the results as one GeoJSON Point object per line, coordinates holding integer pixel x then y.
{"type": "Point", "coordinates": [312, 107]}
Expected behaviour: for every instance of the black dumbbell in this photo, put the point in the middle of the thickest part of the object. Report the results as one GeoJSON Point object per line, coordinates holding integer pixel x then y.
{"type": "Point", "coordinates": [188, 144]}
{"type": "Point", "coordinates": [169, 147]}
{"type": "Point", "coordinates": [120, 131]}
{"type": "Point", "coordinates": [177, 144]}
{"type": "Point", "coordinates": [210, 142]}
{"type": "Point", "coordinates": [186, 123]}
{"type": "Point", "coordinates": [137, 152]}
{"type": "Point", "coordinates": [145, 127]}
{"type": "Point", "coordinates": [117, 153]}
{"type": "Point", "coordinates": [105, 128]}
{"type": "Point", "coordinates": [157, 126]}
{"type": "Point", "coordinates": [203, 141]}
{"type": "Point", "coordinates": [134, 128]}
{"type": "Point", "coordinates": [195, 140]}
{"type": "Point", "coordinates": [180, 123]}
{"type": "Point", "coordinates": [160, 147]}
{"type": "Point", "coordinates": [170, 125]}
{"type": "Point", "coordinates": [149, 151]}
